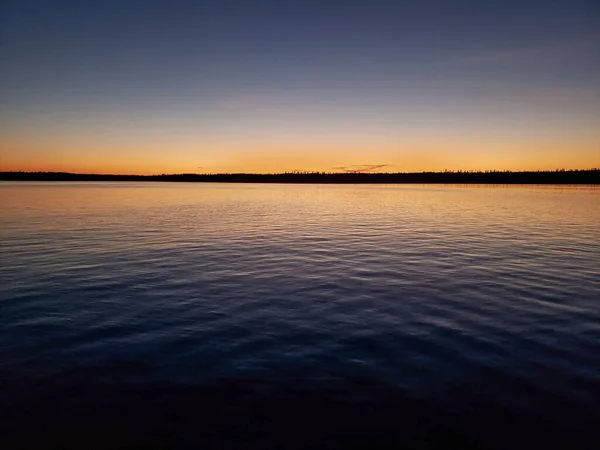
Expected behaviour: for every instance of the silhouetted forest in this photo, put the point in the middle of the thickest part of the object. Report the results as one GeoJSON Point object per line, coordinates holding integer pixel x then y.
{"type": "Point", "coordinates": [589, 176]}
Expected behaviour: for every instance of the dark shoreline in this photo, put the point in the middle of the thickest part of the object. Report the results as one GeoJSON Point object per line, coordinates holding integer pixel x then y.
{"type": "Point", "coordinates": [591, 176]}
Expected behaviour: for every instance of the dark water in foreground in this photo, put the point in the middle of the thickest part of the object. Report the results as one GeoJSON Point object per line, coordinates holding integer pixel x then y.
{"type": "Point", "coordinates": [287, 316]}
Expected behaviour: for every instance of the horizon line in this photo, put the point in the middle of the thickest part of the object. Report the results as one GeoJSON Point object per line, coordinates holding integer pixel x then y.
{"type": "Point", "coordinates": [302, 172]}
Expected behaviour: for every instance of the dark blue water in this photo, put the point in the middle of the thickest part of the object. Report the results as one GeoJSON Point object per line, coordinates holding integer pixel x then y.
{"type": "Point", "coordinates": [259, 316]}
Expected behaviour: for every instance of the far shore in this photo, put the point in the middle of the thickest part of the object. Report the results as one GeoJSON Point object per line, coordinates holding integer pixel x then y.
{"type": "Point", "coordinates": [587, 176]}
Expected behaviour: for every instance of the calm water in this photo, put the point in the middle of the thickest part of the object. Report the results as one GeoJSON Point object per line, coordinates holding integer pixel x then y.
{"type": "Point", "coordinates": [293, 316]}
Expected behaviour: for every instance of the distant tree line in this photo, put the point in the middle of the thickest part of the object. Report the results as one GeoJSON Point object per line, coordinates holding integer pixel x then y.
{"type": "Point", "coordinates": [559, 176]}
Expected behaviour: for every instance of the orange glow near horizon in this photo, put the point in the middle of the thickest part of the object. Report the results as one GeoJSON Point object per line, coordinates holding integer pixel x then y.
{"type": "Point", "coordinates": [415, 156]}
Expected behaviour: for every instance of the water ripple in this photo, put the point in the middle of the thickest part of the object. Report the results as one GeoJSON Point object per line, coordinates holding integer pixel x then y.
{"type": "Point", "coordinates": [424, 289]}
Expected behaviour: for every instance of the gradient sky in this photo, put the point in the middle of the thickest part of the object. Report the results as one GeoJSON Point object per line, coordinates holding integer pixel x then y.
{"type": "Point", "coordinates": [153, 86]}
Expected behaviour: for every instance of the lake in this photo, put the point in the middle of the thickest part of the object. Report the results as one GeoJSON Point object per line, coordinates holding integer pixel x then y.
{"type": "Point", "coordinates": [184, 315]}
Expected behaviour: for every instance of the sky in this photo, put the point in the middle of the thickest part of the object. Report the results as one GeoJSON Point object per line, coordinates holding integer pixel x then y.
{"type": "Point", "coordinates": [214, 86]}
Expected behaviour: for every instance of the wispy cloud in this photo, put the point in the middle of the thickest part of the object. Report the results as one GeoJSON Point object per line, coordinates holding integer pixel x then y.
{"type": "Point", "coordinates": [526, 53]}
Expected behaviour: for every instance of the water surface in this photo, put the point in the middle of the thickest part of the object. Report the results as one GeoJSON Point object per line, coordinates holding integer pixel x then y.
{"type": "Point", "coordinates": [349, 308]}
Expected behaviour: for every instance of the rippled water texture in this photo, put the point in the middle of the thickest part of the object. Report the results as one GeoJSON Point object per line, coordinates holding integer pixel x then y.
{"type": "Point", "coordinates": [467, 299]}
